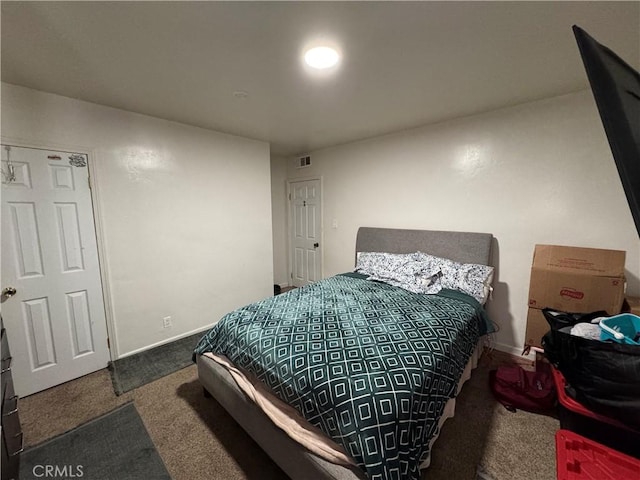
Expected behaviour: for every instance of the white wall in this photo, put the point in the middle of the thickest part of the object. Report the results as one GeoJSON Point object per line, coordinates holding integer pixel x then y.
{"type": "Point", "coordinates": [185, 213]}
{"type": "Point", "coordinates": [535, 173]}
{"type": "Point", "coordinates": [279, 215]}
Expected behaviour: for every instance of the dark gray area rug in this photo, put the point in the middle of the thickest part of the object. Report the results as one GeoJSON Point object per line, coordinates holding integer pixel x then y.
{"type": "Point", "coordinates": [114, 446]}
{"type": "Point", "coordinates": [481, 474]}
{"type": "Point", "coordinates": [144, 367]}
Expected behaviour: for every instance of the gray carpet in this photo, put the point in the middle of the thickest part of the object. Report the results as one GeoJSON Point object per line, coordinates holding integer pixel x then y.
{"type": "Point", "coordinates": [114, 446]}
{"type": "Point", "coordinates": [212, 446]}
{"type": "Point", "coordinates": [144, 367]}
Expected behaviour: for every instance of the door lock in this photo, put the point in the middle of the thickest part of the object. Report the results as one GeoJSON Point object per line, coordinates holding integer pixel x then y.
{"type": "Point", "coordinates": [9, 292]}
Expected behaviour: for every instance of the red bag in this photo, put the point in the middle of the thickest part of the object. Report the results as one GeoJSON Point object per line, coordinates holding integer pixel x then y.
{"type": "Point", "coordinates": [516, 388]}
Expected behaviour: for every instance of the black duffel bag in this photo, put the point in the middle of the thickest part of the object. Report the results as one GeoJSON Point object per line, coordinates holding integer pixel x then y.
{"type": "Point", "coordinates": [602, 376]}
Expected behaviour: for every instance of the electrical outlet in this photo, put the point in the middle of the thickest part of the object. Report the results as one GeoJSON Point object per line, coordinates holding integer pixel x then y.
{"type": "Point", "coordinates": [166, 322]}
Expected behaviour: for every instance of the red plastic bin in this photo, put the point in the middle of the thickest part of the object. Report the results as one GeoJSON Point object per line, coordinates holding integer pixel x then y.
{"type": "Point", "coordinates": [579, 458]}
{"type": "Point", "coordinates": [567, 402]}
{"type": "Point", "coordinates": [579, 419]}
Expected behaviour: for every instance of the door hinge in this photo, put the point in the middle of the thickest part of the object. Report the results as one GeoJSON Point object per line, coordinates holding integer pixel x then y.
{"type": "Point", "coordinates": [289, 196]}
{"type": "Point", "coordinates": [89, 182]}
{"type": "Point", "coordinates": [108, 344]}
{"type": "Point", "coordinates": [291, 275]}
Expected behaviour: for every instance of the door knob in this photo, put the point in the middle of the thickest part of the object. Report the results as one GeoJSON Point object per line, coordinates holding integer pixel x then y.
{"type": "Point", "coordinates": [9, 292]}
{"type": "Point", "coordinates": [316, 245]}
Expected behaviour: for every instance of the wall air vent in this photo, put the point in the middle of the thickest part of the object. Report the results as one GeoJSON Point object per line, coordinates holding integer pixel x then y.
{"type": "Point", "coordinates": [304, 162]}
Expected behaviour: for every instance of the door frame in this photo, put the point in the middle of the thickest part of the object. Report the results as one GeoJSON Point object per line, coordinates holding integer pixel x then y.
{"type": "Point", "coordinates": [92, 156]}
{"type": "Point", "coordinates": [319, 178]}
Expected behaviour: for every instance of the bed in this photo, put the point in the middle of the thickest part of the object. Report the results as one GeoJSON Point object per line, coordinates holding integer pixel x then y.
{"type": "Point", "coordinates": [394, 441]}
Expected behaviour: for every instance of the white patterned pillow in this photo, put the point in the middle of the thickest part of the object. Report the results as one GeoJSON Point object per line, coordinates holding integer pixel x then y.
{"type": "Point", "coordinates": [470, 278]}
{"type": "Point", "coordinates": [423, 273]}
{"type": "Point", "coordinates": [400, 270]}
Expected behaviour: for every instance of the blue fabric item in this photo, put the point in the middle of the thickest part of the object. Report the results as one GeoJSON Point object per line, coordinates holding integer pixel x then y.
{"type": "Point", "coordinates": [370, 364]}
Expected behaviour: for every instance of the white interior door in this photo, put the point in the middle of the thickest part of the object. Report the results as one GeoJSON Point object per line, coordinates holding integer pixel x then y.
{"type": "Point", "coordinates": [306, 204]}
{"type": "Point", "coordinates": [55, 319]}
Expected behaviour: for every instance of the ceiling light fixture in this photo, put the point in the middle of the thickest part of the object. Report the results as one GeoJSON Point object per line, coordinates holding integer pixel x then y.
{"type": "Point", "coordinates": [321, 57]}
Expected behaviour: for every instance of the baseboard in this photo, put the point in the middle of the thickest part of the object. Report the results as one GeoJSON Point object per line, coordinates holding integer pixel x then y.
{"type": "Point", "coordinates": [505, 355]}
{"type": "Point", "coordinates": [514, 351]}
{"type": "Point", "coordinates": [167, 340]}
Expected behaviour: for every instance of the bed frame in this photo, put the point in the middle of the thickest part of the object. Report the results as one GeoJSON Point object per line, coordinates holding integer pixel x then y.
{"type": "Point", "coordinates": [295, 460]}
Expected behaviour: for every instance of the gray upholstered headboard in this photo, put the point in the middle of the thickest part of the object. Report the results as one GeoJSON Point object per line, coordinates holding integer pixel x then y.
{"type": "Point", "coordinates": [463, 247]}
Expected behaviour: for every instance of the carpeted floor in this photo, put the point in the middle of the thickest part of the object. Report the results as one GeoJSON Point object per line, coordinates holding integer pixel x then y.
{"type": "Point", "coordinates": [115, 445]}
{"type": "Point", "coordinates": [197, 439]}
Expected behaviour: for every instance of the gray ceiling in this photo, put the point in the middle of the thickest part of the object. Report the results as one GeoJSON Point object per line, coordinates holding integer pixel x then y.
{"type": "Point", "coordinates": [404, 64]}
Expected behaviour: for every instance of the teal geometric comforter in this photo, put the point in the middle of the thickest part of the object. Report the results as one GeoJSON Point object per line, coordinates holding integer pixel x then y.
{"type": "Point", "coordinates": [370, 364]}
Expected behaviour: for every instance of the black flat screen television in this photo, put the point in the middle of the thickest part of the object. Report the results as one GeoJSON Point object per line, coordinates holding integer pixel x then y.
{"type": "Point", "coordinates": [616, 89]}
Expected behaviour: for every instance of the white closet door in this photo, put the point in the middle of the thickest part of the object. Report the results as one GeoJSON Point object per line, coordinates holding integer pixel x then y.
{"type": "Point", "coordinates": [306, 204]}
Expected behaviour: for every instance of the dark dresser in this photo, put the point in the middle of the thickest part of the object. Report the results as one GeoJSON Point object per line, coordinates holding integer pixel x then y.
{"type": "Point", "coordinates": [11, 431]}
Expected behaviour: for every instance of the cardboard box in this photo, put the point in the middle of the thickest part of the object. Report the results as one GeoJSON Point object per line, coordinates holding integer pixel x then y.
{"type": "Point", "coordinates": [537, 326]}
{"type": "Point", "coordinates": [631, 305]}
{"type": "Point", "coordinates": [584, 261]}
{"type": "Point", "coordinates": [574, 279]}
{"type": "Point", "coordinates": [570, 292]}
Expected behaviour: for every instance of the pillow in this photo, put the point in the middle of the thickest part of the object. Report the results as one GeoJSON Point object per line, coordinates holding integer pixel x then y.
{"type": "Point", "coordinates": [470, 278]}
{"type": "Point", "coordinates": [399, 269]}
{"type": "Point", "coordinates": [423, 273]}
{"type": "Point", "coordinates": [371, 262]}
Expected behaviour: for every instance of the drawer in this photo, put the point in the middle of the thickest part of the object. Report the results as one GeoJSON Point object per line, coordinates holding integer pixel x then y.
{"type": "Point", "coordinates": [7, 379]}
{"type": "Point", "coordinates": [7, 388]}
{"type": "Point", "coordinates": [5, 363]}
{"type": "Point", "coordinates": [13, 442]}
{"type": "Point", "coordinates": [10, 463]}
{"type": "Point", "coordinates": [4, 352]}
{"type": "Point", "coordinates": [4, 345]}
{"type": "Point", "coordinates": [11, 429]}
{"type": "Point", "coordinates": [9, 408]}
